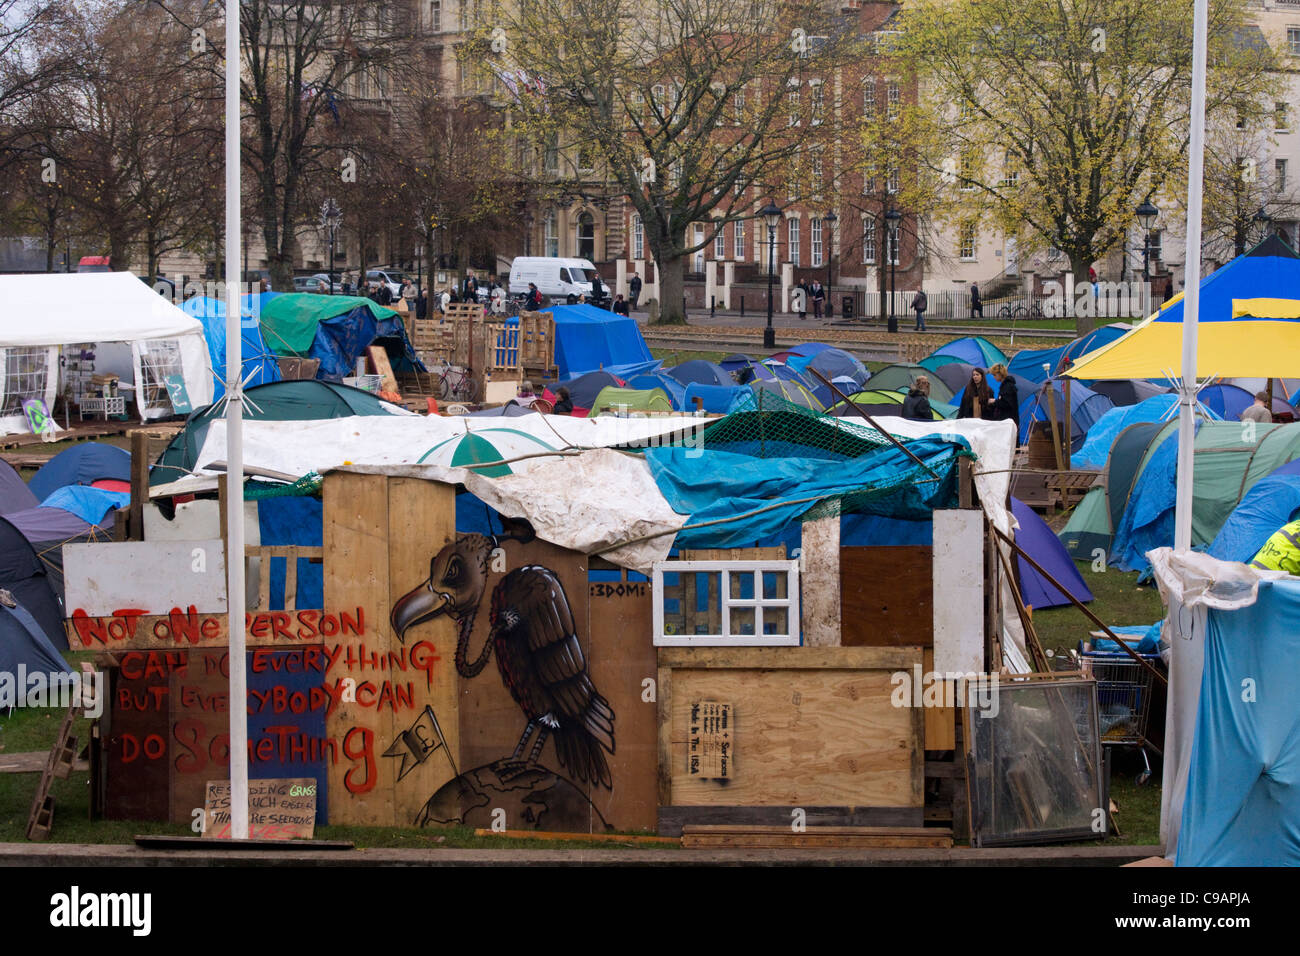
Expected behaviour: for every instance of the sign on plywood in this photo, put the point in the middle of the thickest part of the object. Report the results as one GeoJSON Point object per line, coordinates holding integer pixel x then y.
{"type": "Point", "coordinates": [282, 809]}
{"type": "Point", "coordinates": [710, 749]}
{"type": "Point", "coordinates": [959, 591]}
{"type": "Point", "coordinates": [146, 577]}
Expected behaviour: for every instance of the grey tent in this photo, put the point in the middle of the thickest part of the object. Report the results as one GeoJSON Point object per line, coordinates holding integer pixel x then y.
{"type": "Point", "coordinates": [23, 643]}
{"type": "Point", "coordinates": [25, 575]}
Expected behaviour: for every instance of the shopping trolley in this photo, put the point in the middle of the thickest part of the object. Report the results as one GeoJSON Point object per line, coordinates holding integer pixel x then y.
{"type": "Point", "coordinates": [1124, 691]}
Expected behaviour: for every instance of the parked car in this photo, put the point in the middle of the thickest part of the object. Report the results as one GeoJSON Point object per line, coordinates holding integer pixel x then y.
{"type": "Point", "coordinates": [95, 264]}
{"type": "Point", "coordinates": [390, 276]}
{"type": "Point", "coordinates": [323, 280]}
{"type": "Point", "coordinates": [306, 284]}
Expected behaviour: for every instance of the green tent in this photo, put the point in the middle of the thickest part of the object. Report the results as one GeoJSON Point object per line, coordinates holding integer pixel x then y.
{"type": "Point", "coordinates": [900, 377]}
{"type": "Point", "coordinates": [883, 397]}
{"type": "Point", "coordinates": [631, 400]}
{"type": "Point", "coordinates": [1228, 463]}
{"type": "Point", "coordinates": [288, 400]}
{"type": "Point", "coordinates": [289, 321]}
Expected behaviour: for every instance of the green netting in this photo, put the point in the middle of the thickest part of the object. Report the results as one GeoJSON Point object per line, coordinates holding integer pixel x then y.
{"type": "Point", "coordinates": [766, 425]}
{"type": "Point", "coordinates": [309, 484]}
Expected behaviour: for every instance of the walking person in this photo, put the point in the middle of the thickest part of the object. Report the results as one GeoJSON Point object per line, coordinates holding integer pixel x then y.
{"type": "Point", "coordinates": [976, 303]}
{"type": "Point", "coordinates": [977, 397]}
{"type": "Point", "coordinates": [634, 290]}
{"type": "Point", "coordinates": [919, 304]}
{"type": "Point", "coordinates": [818, 298]}
{"type": "Point", "coordinates": [408, 295]}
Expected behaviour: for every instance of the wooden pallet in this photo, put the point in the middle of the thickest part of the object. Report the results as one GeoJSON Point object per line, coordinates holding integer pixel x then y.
{"type": "Point", "coordinates": [838, 838]}
{"type": "Point", "coordinates": [59, 763]}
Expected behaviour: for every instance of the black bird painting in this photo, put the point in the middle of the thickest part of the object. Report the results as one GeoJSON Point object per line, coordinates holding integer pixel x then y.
{"type": "Point", "coordinates": [536, 642]}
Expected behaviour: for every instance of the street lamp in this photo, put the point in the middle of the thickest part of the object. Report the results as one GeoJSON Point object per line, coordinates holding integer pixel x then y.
{"type": "Point", "coordinates": [1264, 220]}
{"type": "Point", "coordinates": [1146, 217]}
{"type": "Point", "coordinates": [829, 220]}
{"type": "Point", "coordinates": [331, 217]}
{"type": "Point", "coordinates": [771, 214]}
{"type": "Point", "coordinates": [892, 219]}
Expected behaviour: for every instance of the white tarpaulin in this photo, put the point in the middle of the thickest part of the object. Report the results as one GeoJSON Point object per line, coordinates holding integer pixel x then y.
{"type": "Point", "coordinates": [1190, 584]}
{"type": "Point", "coordinates": [58, 309]}
{"type": "Point", "coordinates": [297, 447]}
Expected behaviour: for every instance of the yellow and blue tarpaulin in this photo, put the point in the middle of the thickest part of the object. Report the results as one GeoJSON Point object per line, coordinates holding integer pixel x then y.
{"type": "Point", "coordinates": [1249, 326]}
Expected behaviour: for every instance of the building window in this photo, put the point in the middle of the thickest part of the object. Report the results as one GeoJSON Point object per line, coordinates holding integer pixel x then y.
{"type": "Point", "coordinates": [585, 162]}
{"type": "Point", "coordinates": [1054, 254]}
{"type": "Point", "coordinates": [551, 156]}
{"type": "Point", "coordinates": [1010, 170]}
{"type": "Point", "coordinates": [792, 108]}
{"type": "Point", "coordinates": [1279, 175]}
{"type": "Point", "coordinates": [868, 241]}
{"type": "Point", "coordinates": [893, 183]}
{"type": "Point", "coordinates": [966, 171]}
{"type": "Point", "coordinates": [1281, 118]}
{"type": "Point", "coordinates": [893, 99]}
{"type": "Point", "coordinates": [738, 242]}
{"type": "Point", "coordinates": [586, 236]}
{"type": "Point", "coordinates": [720, 244]}
{"type": "Point", "coordinates": [817, 171]}
{"type": "Point", "coordinates": [657, 95]}
{"type": "Point", "coordinates": [1156, 245]}
{"type": "Point", "coordinates": [552, 235]}
{"type": "Point", "coordinates": [1293, 40]}
{"type": "Point", "coordinates": [869, 96]}
{"type": "Point", "coordinates": [891, 246]}
{"type": "Point", "coordinates": [638, 237]}
{"type": "Point", "coordinates": [818, 101]}
{"type": "Point", "coordinates": [738, 103]}
{"type": "Point", "coordinates": [966, 241]}
{"type": "Point", "coordinates": [697, 257]}
{"type": "Point", "coordinates": [815, 241]}
{"type": "Point", "coordinates": [792, 240]}
{"type": "Point", "coordinates": [435, 16]}
{"type": "Point", "coordinates": [462, 16]}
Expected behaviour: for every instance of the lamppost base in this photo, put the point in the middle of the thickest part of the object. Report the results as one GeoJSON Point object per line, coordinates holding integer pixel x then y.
{"type": "Point", "coordinates": [769, 337]}
{"type": "Point", "coordinates": [893, 324]}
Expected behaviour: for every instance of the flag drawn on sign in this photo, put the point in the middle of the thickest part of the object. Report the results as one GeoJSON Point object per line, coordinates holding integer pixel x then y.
{"type": "Point", "coordinates": [416, 744]}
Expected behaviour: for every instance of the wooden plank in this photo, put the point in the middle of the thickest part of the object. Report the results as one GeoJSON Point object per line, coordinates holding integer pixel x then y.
{"type": "Point", "coordinates": [380, 365]}
{"type": "Point", "coordinates": [759, 837]}
{"type": "Point", "coordinates": [421, 520]}
{"type": "Point", "coordinates": [673, 819]}
{"type": "Point", "coordinates": [819, 582]}
{"type": "Point", "coordinates": [629, 838]}
{"type": "Point", "coordinates": [958, 586]}
{"type": "Point", "coordinates": [32, 762]}
{"type": "Point", "coordinates": [804, 735]}
{"type": "Point", "coordinates": [150, 577]}
{"type": "Point", "coordinates": [886, 596]}
{"type": "Point", "coordinates": [137, 783]}
{"type": "Point", "coordinates": [189, 629]}
{"type": "Point", "coordinates": [940, 733]}
{"type": "Point", "coordinates": [789, 658]}
{"type": "Point", "coordinates": [622, 661]}
{"type": "Point", "coordinates": [664, 774]}
{"type": "Point", "coordinates": [356, 574]}
{"type": "Point", "coordinates": [198, 698]}
{"type": "Point", "coordinates": [139, 483]}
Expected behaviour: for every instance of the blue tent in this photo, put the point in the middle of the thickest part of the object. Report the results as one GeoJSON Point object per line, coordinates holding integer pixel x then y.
{"type": "Point", "coordinates": [1271, 503]}
{"type": "Point", "coordinates": [1096, 446]}
{"type": "Point", "coordinates": [1102, 335]}
{"type": "Point", "coordinates": [834, 363]}
{"type": "Point", "coordinates": [673, 388]}
{"type": "Point", "coordinates": [26, 577]}
{"type": "Point", "coordinates": [588, 338]}
{"type": "Point", "coordinates": [1086, 406]}
{"type": "Point", "coordinates": [23, 642]}
{"type": "Point", "coordinates": [721, 399]}
{"type": "Point", "coordinates": [1028, 363]}
{"type": "Point", "coordinates": [1040, 543]}
{"type": "Point", "coordinates": [700, 372]}
{"type": "Point", "coordinates": [1242, 802]}
{"type": "Point", "coordinates": [81, 465]}
{"type": "Point", "coordinates": [259, 364]}
{"type": "Point", "coordinates": [972, 349]}
{"type": "Point", "coordinates": [1227, 401]}
{"type": "Point", "coordinates": [14, 493]}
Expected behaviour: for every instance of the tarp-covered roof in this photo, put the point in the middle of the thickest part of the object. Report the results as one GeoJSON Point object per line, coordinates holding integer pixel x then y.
{"type": "Point", "coordinates": [588, 338]}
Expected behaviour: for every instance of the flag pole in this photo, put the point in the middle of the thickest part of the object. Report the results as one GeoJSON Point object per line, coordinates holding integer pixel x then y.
{"type": "Point", "coordinates": [1192, 281]}
{"type": "Point", "coordinates": [238, 707]}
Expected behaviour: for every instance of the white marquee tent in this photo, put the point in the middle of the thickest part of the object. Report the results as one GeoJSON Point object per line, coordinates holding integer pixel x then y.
{"type": "Point", "coordinates": [43, 314]}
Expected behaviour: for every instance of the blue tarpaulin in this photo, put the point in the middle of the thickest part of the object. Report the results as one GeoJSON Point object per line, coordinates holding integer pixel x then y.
{"type": "Point", "coordinates": [294, 521]}
{"type": "Point", "coordinates": [1271, 503]}
{"type": "Point", "coordinates": [88, 504]}
{"type": "Point", "coordinates": [259, 364]}
{"type": "Point", "coordinates": [719, 399]}
{"type": "Point", "coordinates": [1148, 519]}
{"type": "Point", "coordinates": [1242, 805]}
{"type": "Point", "coordinates": [588, 338]}
{"type": "Point", "coordinates": [723, 485]}
{"type": "Point", "coordinates": [1096, 446]}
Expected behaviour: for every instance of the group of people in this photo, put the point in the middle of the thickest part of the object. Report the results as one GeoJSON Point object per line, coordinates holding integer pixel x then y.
{"type": "Point", "coordinates": [977, 400]}
{"type": "Point", "coordinates": [814, 295]}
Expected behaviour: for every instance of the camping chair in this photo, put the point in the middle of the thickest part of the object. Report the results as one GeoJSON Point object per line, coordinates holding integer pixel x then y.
{"type": "Point", "coordinates": [543, 406]}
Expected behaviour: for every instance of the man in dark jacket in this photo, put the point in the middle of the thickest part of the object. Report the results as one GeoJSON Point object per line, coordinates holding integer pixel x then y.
{"type": "Point", "coordinates": [920, 302]}
{"type": "Point", "coordinates": [916, 405]}
{"type": "Point", "coordinates": [976, 303]}
{"type": "Point", "coordinates": [633, 290]}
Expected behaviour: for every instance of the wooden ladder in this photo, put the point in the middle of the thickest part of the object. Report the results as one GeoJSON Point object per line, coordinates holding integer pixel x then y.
{"type": "Point", "coordinates": [58, 764]}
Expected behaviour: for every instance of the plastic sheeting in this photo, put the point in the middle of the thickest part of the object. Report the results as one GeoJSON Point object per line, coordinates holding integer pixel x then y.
{"type": "Point", "coordinates": [1043, 546]}
{"type": "Point", "coordinates": [258, 363]}
{"type": "Point", "coordinates": [88, 504]}
{"type": "Point", "coordinates": [588, 338]}
{"type": "Point", "coordinates": [1229, 793]}
{"type": "Point", "coordinates": [1096, 446]}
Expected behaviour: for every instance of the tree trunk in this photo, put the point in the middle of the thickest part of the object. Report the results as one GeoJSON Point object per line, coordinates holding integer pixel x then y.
{"type": "Point", "coordinates": [672, 287]}
{"type": "Point", "coordinates": [1084, 323]}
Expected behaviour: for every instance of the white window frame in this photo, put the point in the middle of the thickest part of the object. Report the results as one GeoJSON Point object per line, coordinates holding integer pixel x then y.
{"type": "Point", "coordinates": [815, 243]}
{"type": "Point", "coordinates": [738, 241]}
{"type": "Point", "coordinates": [893, 99]}
{"type": "Point", "coordinates": [792, 241]}
{"type": "Point", "coordinates": [1293, 40]}
{"type": "Point", "coordinates": [435, 16]}
{"type": "Point", "coordinates": [551, 234]}
{"type": "Point", "coordinates": [720, 244]}
{"type": "Point", "coordinates": [638, 237]}
{"type": "Point", "coordinates": [818, 104]}
{"type": "Point", "coordinates": [868, 241]}
{"type": "Point", "coordinates": [724, 570]}
{"type": "Point", "coordinates": [967, 241]}
{"type": "Point", "coordinates": [1281, 169]}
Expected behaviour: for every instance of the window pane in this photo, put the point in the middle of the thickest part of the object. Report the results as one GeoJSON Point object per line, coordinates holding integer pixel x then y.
{"type": "Point", "coordinates": [741, 584]}
{"type": "Point", "coordinates": [742, 620]}
{"type": "Point", "coordinates": [775, 584]}
{"type": "Point", "coordinates": [776, 620]}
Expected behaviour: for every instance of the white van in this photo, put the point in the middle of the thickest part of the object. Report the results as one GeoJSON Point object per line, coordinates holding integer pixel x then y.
{"type": "Point", "coordinates": [557, 279]}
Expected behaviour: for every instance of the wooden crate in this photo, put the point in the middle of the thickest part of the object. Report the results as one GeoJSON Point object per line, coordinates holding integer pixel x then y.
{"type": "Point", "coordinates": [537, 344]}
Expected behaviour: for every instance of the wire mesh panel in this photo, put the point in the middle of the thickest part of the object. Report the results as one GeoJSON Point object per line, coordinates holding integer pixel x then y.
{"type": "Point", "coordinates": [159, 358]}
{"type": "Point", "coordinates": [1124, 689]}
{"type": "Point", "coordinates": [26, 371]}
